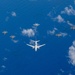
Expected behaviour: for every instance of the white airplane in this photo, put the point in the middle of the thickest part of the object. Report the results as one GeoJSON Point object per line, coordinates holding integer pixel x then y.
{"type": "Point", "coordinates": [36, 46]}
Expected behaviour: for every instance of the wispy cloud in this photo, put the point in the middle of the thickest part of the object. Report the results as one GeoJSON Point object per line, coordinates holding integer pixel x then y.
{"type": "Point", "coordinates": [13, 14]}
{"type": "Point", "coordinates": [71, 53]}
{"type": "Point", "coordinates": [15, 41]}
{"type": "Point", "coordinates": [61, 34]}
{"type": "Point", "coordinates": [59, 19]}
{"type": "Point", "coordinates": [68, 10]}
{"type": "Point", "coordinates": [52, 32]}
{"type": "Point", "coordinates": [28, 32]}
{"type": "Point", "coordinates": [64, 34]}
{"type": "Point", "coordinates": [35, 26]}
{"type": "Point", "coordinates": [70, 24]}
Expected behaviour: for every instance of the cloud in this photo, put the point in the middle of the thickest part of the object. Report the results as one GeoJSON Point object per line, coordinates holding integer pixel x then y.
{"type": "Point", "coordinates": [64, 34]}
{"type": "Point", "coordinates": [15, 41]}
{"type": "Point", "coordinates": [70, 74]}
{"type": "Point", "coordinates": [70, 24]}
{"type": "Point", "coordinates": [36, 25]}
{"type": "Point", "coordinates": [71, 53]}
{"type": "Point", "coordinates": [52, 32]}
{"type": "Point", "coordinates": [61, 34]}
{"type": "Point", "coordinates": [59, 19]}
{"type": "Point", "coordinates": [68, 10]}
{"type": "Point", "coordinates": [3, 66]}
{"type": "Point", "coordinates": [4, 59]}
{"type": "Point", "coordinates": [52, 13]}
{"type": "Point", "coordinates": [31, 42]}
{"type": "Point", "coordinates": [13, 14]}
{"type": "Point", "coordinates": [28, 32]}
{"type": "Point", "coordinates": [62, 70]}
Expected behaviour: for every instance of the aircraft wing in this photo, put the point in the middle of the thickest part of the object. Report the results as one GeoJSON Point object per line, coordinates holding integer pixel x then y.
{"type": "Point", "coordinates": [41, 45]}
{"type": "Point", "coordinates": [30, 45]}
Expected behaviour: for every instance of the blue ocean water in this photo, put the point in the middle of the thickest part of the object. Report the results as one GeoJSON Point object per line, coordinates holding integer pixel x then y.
{"type": "Point", "coordinates": [23, 60]}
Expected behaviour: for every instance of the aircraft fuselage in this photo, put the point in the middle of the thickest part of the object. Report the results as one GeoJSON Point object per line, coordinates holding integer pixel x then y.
{"type": "Point", "coordinates": [36, 46]}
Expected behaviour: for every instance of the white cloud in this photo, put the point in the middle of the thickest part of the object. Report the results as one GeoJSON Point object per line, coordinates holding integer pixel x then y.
{"type": "Point", "coordinates": [13, 13]}
{"type": "Point", "coordinates": [5, 58]}
{"type": "Point", "coordinates": [71, 53]}
{"type": "Point", "coordinates": [62, 70]}
{"type": "Point", "coordinates": [61, 34]}
{"type": "Point", "coordinates": [15, 41]}
{"type": "Point", "coordinates": [34, 27]}
{"type": "Point", "coordinates": [59, 19]}
{"type": "Point", "coordinates": [64, 34]}
{"type": "Point", "coordinates": [3, 66]}
{"type": "Point", "coordinates": [52, 32]}
{"type": "Point", "coordinates": [52, 12]}
{"type": "Point", "coordinates": [68, 10]}
{"type": "Point", "coordinates": [70, 24]}
{"type": "Point", "coordinates": [28, 32]}
{"type": "Point", "coordinates": [31, 42]}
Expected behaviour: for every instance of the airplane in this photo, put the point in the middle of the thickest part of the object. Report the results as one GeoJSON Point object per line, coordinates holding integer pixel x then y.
{"type": "Point", "coordinates": [4, 32]}
{"type": "Point", "coordinates": [36, 46]}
